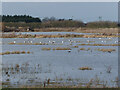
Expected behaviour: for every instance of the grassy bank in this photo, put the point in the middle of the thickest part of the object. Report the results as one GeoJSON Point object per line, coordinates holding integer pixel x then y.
{"type": "Point", "coordinates": [57, 36]}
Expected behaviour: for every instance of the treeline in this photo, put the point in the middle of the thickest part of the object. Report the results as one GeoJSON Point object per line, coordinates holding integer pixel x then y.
{"type": "Point", "coordinates": [19, 18]}
{"type": "Point", "coordinates": [102, 24]}
{"type": "Point", "coordinates": [23, 22]}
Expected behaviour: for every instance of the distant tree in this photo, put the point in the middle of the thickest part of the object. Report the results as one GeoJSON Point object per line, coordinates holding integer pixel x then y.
{"type": "Point", "coordinates": [20, 18]}
{"type": "Point", "coordinates": [52, 18]}
{"type": "Point", "coordinates": [46, 19]}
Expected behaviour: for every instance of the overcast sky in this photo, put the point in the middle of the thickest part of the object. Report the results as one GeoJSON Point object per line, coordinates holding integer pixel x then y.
{"type": "Point", "coordinates": [85, 11]}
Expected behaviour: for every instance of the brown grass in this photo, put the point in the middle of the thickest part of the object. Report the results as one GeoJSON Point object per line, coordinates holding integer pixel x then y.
{"type": "Point", "coordinates": [99, 44]}
{"type": "Point", "coordinates": [46, 49]}
{"type": "Point", "coordinates": [75, 46]}
{"type": "Point", "coordinates": [85, 68]}
{"type": "Point", "coordinates": [82, 48]}
{"type": "Point", "coordinates": [58, 36]}
{"type": "Point", "coordinates": [28, 43]}
{"type": "Point", "coordinates": [14, 52]}
{"type": "Point", "coordinates": [62, 48]}
{"type": "Point", "coordinates": [106, 50]}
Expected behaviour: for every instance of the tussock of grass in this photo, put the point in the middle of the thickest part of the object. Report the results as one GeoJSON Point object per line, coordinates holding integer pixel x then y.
{"type": "Point", "coordinates": [99, 44]}
{"type": "Point", "coordinates": [75, 46]}
{"type": "Point", "coordinates": [106, 50]}
{"type": "Point", "coordinates": [85, 68]}
{"type": "Point", "coordinates": [28, 43]}
{"type": "Point", "coordinates": [88, 49]}
{"type": "Point", "coordinates": [62, 48]}
{"type": "Point", "coordinates": [57, 48]}
{"type": "Point", "coordinates": [82, 48]}
{"type": "Point", "coordinates": [46, 49]}
{"type": "Point", "coordinates": [14, 52]}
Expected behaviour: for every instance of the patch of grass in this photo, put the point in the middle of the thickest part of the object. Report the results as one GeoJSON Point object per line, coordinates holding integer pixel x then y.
{"type": "Point", "coordinates": [106, 50]}
{"type": "Point", "coordinates": [88, 49]}
{"type": "Point", "coordinates": [23, 52]}
{"type": "Point", "coordinates": [82, 48]}
{"type": "Point", "coordinates": [99, 44]}
{"type": "Point", "coordinates": [56, 36]}
{"type": "Point", "coordinates": [85, 68]}
{"type": "Point", "coordinates": [75, 46]}
{"type": "Point", "coordinates": [14, 52]}
{"type": "Point", "coordinates": [28, 43]}
{"type": "Point", "coordinates": [62, 48]}
{"type": "Point", "coordinates": [46, 49]}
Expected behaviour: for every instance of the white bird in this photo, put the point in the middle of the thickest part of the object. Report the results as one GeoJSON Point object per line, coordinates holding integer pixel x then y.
{"type": "Point", "coordinates": [105, 41]}
{"type": "Point", "coordinates": [53, 41]}
{"type": "Point", "coordinates": [116, 41]}
{"type": "Point", "coordinates": [14, 41]}
{"type": "Point", "coordinates": [69, 40]}
{"type": "Point", "coordinates": [40, 42]}
{"type": "Point", "coordinates": [99, 38]}
{"type": "Point", "coordinates": [24, 41]}
{"type": "Point", "coordinates": [88, 41]}
{"type": "Point", "coordinates": [31, 42]}
{"type": "Point", "coordinates": [62, 41]}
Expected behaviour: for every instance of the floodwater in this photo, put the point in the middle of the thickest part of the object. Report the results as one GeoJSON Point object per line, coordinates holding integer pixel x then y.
{"type": "Point", "coordinates": [59, 65]}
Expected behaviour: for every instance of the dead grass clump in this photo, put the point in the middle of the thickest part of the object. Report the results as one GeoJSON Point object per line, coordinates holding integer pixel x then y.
{"type": "Point", "coordinates": [82, 48]}
{"type": "Point", "coordinates": [28, 43]}
{"type": "Point", "coordinates": [17, 52]}
{"type": "Point", "coordinates": [46, 49]}
{"type": "Point", "coordinates": [7, 52]}
{"type": "Point", "coordinates": [75, 46]}
{"type": "Point", "coordinates": [106, 50]}
{"type": "Point", "coordinates": [60, 48]}
{"type": "Point", "coordinates": [99, 44]}
{"type": "Point", "coordinates": [88, 49]}
{"type": "Point", "coordinates": [23, 52]}
{"type": "Point", "coordinates": [28, 52]}
{"type": "Point", "coordinates": [11, 43]}
{"type": "Point", "coordinates": [14, 52]}
{"type": "Point", "coordinates": [85, 68]}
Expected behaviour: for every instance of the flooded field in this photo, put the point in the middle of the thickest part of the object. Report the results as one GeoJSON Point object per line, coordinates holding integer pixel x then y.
{"type": "Point", "coordinates": [59, 62]}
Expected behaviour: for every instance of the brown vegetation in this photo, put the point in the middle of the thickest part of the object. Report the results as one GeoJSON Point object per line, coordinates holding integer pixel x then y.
{"type": "Point", "coordinates": [99, 44]}
{"type": "Point", "coordinates": [106, 50]}
{"type": "Point", "coordinates": [57, 36]}
{"type": "Point", "coordinates": [85, 68]}
{"type": "Point", "coordinates": [14, 52]}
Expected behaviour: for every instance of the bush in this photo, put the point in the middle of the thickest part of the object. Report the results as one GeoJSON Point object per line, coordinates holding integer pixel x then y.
{"type": "Point", "coordinates": [102, 24]}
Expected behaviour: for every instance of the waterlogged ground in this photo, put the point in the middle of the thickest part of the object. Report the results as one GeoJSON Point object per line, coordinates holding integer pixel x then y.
{"type": "Point", "coordinates": [59, 67]}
